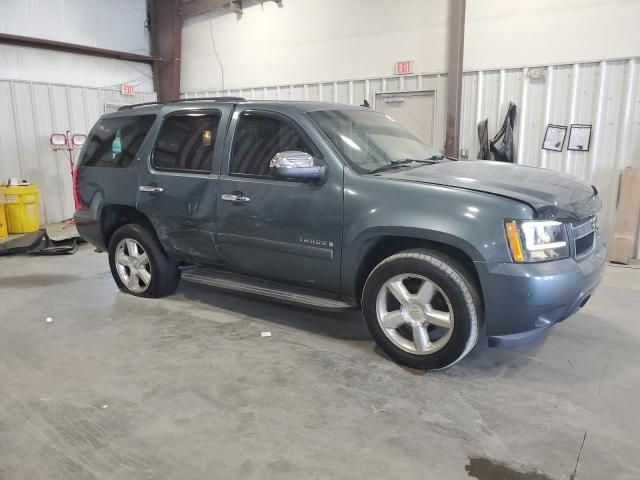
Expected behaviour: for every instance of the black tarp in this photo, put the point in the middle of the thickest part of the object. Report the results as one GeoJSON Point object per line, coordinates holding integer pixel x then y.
{"type": "Point", "coordinates": [501, 146]}
{"type": "Point", "coordinates": [483, 134]}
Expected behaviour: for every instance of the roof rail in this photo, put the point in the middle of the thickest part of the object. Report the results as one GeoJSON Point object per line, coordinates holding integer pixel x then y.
{"type": "Point", "coordinates": [134, 105]}
{"type": "Point", "coordinates": [183, 100]}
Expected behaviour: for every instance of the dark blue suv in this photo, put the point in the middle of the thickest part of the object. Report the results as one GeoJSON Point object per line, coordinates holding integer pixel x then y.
{"type": "Point", "coordinates": [332, 207]}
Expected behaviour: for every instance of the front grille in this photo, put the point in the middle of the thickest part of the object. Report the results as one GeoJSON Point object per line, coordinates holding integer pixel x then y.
{"type": "Point", "coordinates": [584, 244]}
{"type": "Point", "coordinates": [584, 235]}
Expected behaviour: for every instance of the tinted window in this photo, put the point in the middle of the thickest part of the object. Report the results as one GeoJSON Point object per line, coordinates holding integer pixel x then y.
{"type": "Point", "coordinates": [258, 138]}
{"type": "Point", "coordinates": [114, 142]}
{"type": "Point", "coordinates": [186, 142]}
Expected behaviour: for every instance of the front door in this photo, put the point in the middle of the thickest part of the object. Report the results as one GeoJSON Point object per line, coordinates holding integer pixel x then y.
{"type": "Point", "coordinates": [178, 182]}
{"type": "Point", "coordinates": [278, 229]}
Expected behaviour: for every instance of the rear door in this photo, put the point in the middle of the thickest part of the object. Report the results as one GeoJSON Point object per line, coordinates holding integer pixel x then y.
{"type": "Point", "coordinates": [178, 182]}
{"type": "Point", "coordinates": [286, 230]}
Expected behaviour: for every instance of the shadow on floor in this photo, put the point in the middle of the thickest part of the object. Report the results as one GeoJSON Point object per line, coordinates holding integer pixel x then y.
{"type": "Point", "coordinates": [481, 362]}
{"type": "Point", "coordinates": [347, 325]}
{"type": "Point", "coordinates": [38, 280]}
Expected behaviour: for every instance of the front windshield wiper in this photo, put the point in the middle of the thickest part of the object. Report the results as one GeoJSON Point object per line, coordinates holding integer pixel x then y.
{"type": "Point", "coordinates": [405, 162]}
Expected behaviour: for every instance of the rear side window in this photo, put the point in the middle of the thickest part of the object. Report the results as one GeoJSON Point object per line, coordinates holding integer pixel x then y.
{"type": "Point", "coordinates": [258, 138]}
{"type": "Point", "coordinates": [114, 142]}
{"type": "Point", "coordinates": [186, 142]}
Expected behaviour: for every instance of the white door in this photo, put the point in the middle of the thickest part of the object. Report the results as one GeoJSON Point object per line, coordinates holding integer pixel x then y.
{"type": "Point", "coordinates": [413, 110]}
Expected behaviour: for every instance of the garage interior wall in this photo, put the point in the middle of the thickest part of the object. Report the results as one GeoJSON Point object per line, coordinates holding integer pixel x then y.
{"type": "Point", "coordinates": [43, 91]}
{"type": "Point", "coordinates": [29, 113]}
{"type": "Point", "coordinates": [302, 50]}
{"type": "Point", "coordinates": [307, 41]}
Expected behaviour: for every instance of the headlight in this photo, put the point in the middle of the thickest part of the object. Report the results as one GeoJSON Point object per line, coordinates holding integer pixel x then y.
{"type": "Point", "coordinates": [536, 240]}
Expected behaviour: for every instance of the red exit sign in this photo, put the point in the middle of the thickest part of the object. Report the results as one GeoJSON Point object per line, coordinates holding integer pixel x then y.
{"type": "Point", "coordinates": [404, 67]}
{"type": "Point", "coordinates": [127, 89]}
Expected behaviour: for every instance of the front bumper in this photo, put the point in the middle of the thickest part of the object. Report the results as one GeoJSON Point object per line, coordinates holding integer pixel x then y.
{"type": "Point", "coordinates": [523, 300]}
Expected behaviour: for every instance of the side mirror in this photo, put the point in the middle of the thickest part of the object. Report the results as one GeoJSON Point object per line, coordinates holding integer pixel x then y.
{"type": "Point", "coordinates": [298, 165]}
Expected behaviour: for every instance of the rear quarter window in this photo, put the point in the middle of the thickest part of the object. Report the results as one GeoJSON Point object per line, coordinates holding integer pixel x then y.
{"type": "Point", "coordinates": [114, 142]}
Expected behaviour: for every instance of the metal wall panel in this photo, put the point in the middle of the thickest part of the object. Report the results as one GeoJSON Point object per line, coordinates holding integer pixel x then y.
{"type": "Point", "coordinates": [29, 113]}
{"type": "Point", "coordinates": [604, 94]}
{"type": "Point", "coordinates": [114, 25]}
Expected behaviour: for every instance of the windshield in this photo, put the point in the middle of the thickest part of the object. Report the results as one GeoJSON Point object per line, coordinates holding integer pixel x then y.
{"type": "Point", "coordinates": [370, 140]}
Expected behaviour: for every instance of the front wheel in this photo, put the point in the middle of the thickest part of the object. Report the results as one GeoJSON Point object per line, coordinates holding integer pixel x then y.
{"type": "Point", "coordinates": [139, 265]}
{"type": "Point", "coordinates": [422, 309]}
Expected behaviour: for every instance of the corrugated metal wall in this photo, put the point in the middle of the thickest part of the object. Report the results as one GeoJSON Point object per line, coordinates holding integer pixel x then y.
{"type": "Point", "coordinates": [605, 94]}
{"type": "Point", "coordinates": [29, 113]}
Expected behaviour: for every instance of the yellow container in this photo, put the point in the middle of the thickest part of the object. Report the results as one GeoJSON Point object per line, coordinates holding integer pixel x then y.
{"type": "Point", "coordinates": [21, 208]}
{"type": "Point", "coordinates": [4, 233]}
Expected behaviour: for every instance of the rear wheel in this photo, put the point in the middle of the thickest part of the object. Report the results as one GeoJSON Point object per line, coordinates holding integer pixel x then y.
{"type": "Point", "coordinates": [422, 309]}
{"type": "Point", "coordinates": [139, 265]}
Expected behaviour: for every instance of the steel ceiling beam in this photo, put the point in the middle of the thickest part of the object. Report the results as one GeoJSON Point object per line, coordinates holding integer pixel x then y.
{"type": "Point", "coordinates": [42, 43]}
{"type": "Point", "coordinates": [454, 76]}
{"type": "Point", "coordinates": [191, 8]}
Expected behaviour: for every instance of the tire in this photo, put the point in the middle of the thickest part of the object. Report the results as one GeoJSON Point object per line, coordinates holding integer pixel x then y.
{"type": "Point", "coordinates": [408, 336]}
{"type": "Point", "coordinates": [162, 274]}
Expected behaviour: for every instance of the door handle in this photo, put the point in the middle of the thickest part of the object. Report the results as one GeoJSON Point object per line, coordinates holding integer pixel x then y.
{"type": "Point", "coordinates": [151, 188]}
{"type": "Point", "coordinates": [236, 197]}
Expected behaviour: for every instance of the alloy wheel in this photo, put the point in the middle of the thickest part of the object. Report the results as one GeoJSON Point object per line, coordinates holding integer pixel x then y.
{"type": "Point", "coordinates": [133, 265]}
{"type": "Point", "coordinates": [415, 314]}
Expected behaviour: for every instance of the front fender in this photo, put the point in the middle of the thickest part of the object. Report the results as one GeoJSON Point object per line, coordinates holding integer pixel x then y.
{"type": "Point", "coordinates": [363, 244]}
{"type": "Point", "coordinates": [472, 222]}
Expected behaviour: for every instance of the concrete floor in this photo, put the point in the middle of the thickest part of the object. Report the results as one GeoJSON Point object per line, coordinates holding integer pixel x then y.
{"type": "Point", "coordinates": [185, 387]}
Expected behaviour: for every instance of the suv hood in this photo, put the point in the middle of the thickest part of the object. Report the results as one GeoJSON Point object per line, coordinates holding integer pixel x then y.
{"type": "Point", "coordinates": [550, 193]}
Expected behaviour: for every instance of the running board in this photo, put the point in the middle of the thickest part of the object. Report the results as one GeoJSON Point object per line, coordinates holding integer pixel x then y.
{"type": "Point", "coordinates": [273, 291]}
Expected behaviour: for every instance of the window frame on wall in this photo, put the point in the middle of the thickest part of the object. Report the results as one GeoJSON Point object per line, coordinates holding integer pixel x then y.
{"type": "Point", "coordinates": [209, 112]}
{"type": "Point", "coordinates": [315, 151]}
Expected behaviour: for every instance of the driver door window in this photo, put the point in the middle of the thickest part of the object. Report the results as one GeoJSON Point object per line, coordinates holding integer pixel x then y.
{"type": "Point", "coordinates": [258, 138]}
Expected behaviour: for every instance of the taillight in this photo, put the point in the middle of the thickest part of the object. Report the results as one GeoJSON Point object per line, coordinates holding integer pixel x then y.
{"type": "Point", "coordinates": [76, 196]}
